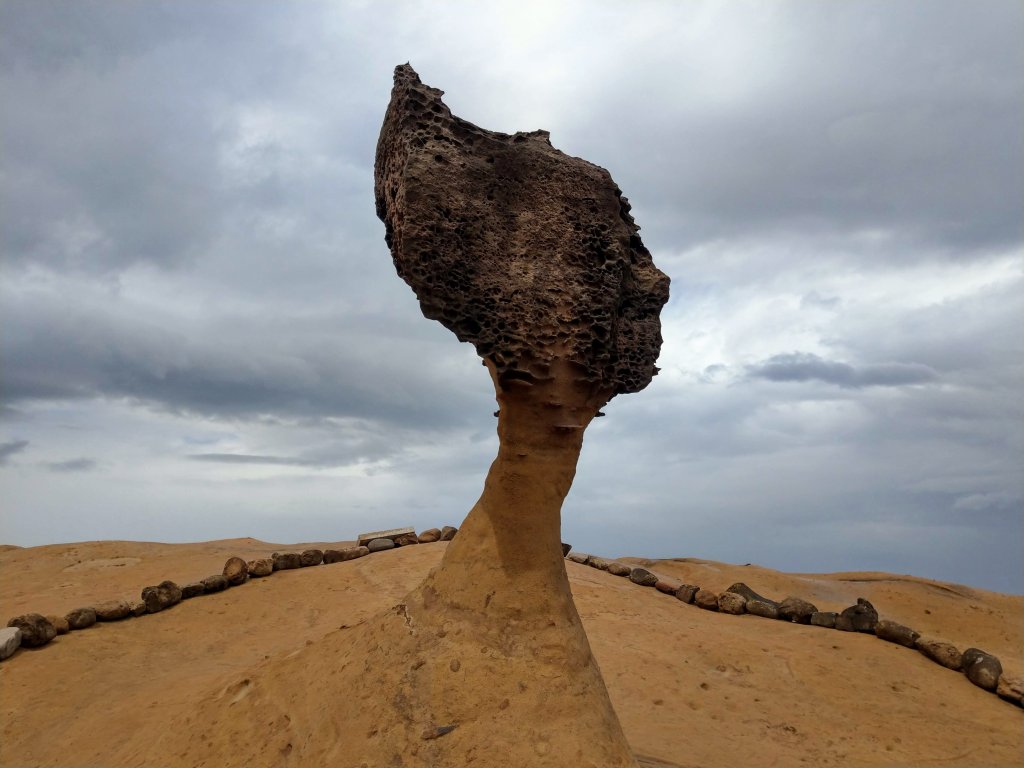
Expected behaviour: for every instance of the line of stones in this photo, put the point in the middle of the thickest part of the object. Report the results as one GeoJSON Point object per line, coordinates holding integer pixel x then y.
{"type": "Point", "coordinates": [981, 668]}
{"type": "Point", "coordinates": [32, 630]}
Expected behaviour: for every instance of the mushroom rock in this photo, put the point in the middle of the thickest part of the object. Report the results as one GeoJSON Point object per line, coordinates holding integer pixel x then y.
{"type": "Point", "coordinates": [532, 256]}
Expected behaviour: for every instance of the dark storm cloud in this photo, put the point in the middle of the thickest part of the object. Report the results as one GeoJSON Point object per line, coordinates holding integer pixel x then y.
{"type": "Point", "coordinates": [312, 367]}
{"type": "Point", "coordinates": [10, 449]}
{"type": "Point", "coordinates": [72, 465]}
{"type": "Point", "coordinates": [802, 366]}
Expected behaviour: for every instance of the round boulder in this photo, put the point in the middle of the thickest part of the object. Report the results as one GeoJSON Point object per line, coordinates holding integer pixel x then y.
{"type": "Point", "coordinates": [406, 540]}
{"type": "Point", "coordinates": [619, 569]}
{"type": "Point", "coordinates": [161, 597]}
{"type": "Point", "coordinates": [861, 617]}
{"type": "Point", "coordinates": [235, 571]}
{"type": "Point", "coordinates": [983, 669]}
{"type": "Point", "coordinates": [262, 566]}
{"type": "Point", "coordinates": [706, 599]}
{"type": "Point", "coordinates": [598, 562]}
{"type": "Point", "coordinates": [10, 640]}
{"type": "Point", "coordinates": [60, 624]}
{"type": "Point", "coordinates": [311, 557]}
{"type": "Point", "coordinates": [35, 629]}
{"type": "Point", "coordinates": [195, 589]}
{"type": "Point", "coordinates": [81, 618]}
{"type": "Point", "coordinates": [579, 557]}
{"type": "Point", "coordinates": [430, 535]}
{"type": "Point", "coordinates": [215, 583]}
{"type": "Point", "coordinates": [286, 561]}
{"type": "Point", "coordinates": [732, 602]}
{"type": "Point", "coordinates": [113, 610]}
{"type": "Point", "coordinates": [448, 533]}
{"type": "Point", "coordinates": [687, 592]}
{"type": "Point", "coordinates": [380, 545]}
{"type": "Point", "coordinates": [796, 610]}
{"type": "Point", "coordinates": [138, 608]}
{"type": "Point", "coordinates": [896, 633]}
{"type": "Point", "coordinates": [643, 577]}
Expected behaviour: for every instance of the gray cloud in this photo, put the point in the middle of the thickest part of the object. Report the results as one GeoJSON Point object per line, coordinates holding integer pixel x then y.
{"type": "Point", "coordinates": [196, 290]}
{"type": "Point", "coordinates": [72, 465]}
{"type": "Point", "coordinates": [802, 366]}
{"type": "Point", "coordinates": [9, 449]}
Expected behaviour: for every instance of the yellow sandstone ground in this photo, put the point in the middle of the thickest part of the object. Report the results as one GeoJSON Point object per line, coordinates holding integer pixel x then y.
{"type": "Point", "coordinates": [692, 688]}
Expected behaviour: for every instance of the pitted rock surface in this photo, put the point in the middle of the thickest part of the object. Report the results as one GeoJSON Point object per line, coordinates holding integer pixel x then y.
{"type": "Point", "coordinates": [524, 251]}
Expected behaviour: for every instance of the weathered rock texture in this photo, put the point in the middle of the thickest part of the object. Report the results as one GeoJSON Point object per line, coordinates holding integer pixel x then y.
{"type": "Point", "coordinates": [527, 253]}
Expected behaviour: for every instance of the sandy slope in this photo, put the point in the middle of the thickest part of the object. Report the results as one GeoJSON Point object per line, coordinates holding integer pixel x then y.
{"type": "Point", "coordinates": [692, 688]}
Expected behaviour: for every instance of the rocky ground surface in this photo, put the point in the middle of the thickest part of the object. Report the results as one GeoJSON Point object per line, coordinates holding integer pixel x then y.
{"type": "Point", "coordinates": [692, 687]}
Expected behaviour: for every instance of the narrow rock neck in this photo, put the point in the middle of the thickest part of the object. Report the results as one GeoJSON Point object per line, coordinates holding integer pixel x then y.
{"type": "Point", "coordinates": [508, 554]}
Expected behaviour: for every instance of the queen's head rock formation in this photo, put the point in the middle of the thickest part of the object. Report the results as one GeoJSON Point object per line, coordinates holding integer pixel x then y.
{"type": "Point", "coordinates": [527, 253]}
{"type": "Point", "coordinates": [533, 257]}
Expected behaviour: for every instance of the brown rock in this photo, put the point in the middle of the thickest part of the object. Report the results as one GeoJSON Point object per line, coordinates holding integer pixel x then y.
{"type": "Point", "coordinates": [668, 586]}
{"type": "Point", "coordinates": [235, 571]}
{"type": "Point", "coordinates": [825, 619]}
{"type": "Point", "coordinates": [36, 630]}
{"type": "Point", "coordinates": [706, 599]}
{"type": "Point", "coordinates": [215, 583]}
{"type": "Point", "coordinates": [599, 562]}
{"type": "Point", "coordinates": [566, 549]}
{"type": "Point", "coordinates": [742, 589]}
{"type": "Point", "coordinates": [619, 569]}
{"type": "Point", "coordinates": [286, 561]}
{"type": "Point", "coordinates": [137, 608]}
{"type": "Point", "coordinates": [1011, 689]}
{"type": "Point", "coordinates": [262, 566]}
{"type": "Point", "coordinates": [796, 610]}
{"type": "Point", "coordinates": [310, 557]}
{"type": "Point", "coordinates": [80, 618]}
{"type": "Point", "coordinates": [579, 557]}
{"type": "Point", "coordinates": [161, 597]}
{"type": "Point", "coordinates": [113, 610]}
{"type": "Point", "coordinates": [380, 545]}
{"type": "Point", "coordinates": [763, 608]}
{"type": "Point", "coordinates": [481, 226]}
{"type": "Point", "coordinates": [192, 589]}
{"type": "Point", "coordinates": [939, 651]}
{"type": "Point", "coordinates": [861, 617]}
{"type": "Point", "coordinates": [430, 535]}
{"type": "Point", "coordinates": [353, 553]}
{"type": "Point", "coordinates": [732, 602]}
{"type": "Point", "coordinates": [448, 533]}
{"type": "Point", "coordinates": [687, 592]}
{"type": "Point", "coordinates": [407, 540]}
{"type": "Point", "coordinates": [983, 669]}
{"type": "Point", "coordinates": [643, 577]}
{"type": "Point", "coordinates": [896, 633]}
{"type": "Point", "coordinates": [60, 624]}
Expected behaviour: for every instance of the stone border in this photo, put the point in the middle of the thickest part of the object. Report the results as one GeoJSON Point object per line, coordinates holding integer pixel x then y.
{"type": "Point", "coordinates": [981, 668]}
{"type": "Point", "coordinates": [33, 630]}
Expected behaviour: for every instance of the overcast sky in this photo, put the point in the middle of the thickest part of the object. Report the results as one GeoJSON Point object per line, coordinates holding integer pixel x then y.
{"type": "Point", "coordinates": [203, 335]}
